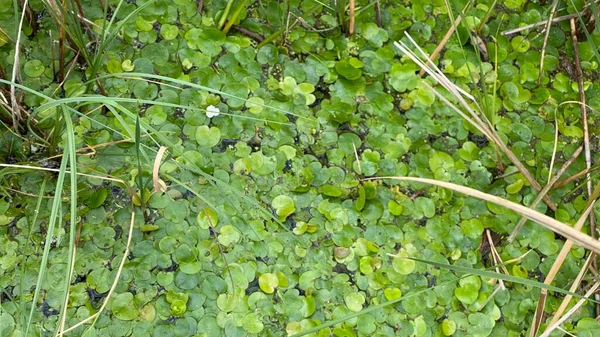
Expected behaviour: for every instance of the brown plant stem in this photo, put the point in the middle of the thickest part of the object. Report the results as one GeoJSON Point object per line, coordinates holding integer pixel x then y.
{"type": "Point", "coordinates": [586, 137]}
{"type": "Point", "coordinates": [546, 35]}
{"type": "Point", "coordinates": [442, 43]}
{"type": "Point", "coordinates": [253, 35]}
{"type": "Point", "coordinates": [378, 14]}
{"type": "Point", "coordinates": [545, 191]}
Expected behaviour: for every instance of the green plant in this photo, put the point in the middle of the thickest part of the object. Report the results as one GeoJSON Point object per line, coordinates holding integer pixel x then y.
{"type": "Point", "coordinates": [220, 163]}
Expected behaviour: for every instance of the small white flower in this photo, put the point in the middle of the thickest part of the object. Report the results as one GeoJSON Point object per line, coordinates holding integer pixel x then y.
{"type": "Point", "coordinates": [212, 111]}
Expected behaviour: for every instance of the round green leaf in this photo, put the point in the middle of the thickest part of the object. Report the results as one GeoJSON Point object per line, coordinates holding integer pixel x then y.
{"type": "Point", "coordinates": [354, 301]}
{"type": "Point", "coordinates": [252, 323]}
{"type": "Point", "coordinates": [229, 235]}
{"type": "Point", "coordinates": [207, 136]}
{"type": "Point", "coordinates": [34, 68]}
{"type": "Point", "coordinates": [123, 307]}
{"type": "Point", "coordinates": [268, 282]}
{"type": "Point", "coordinates": [403, 265]}
{"type": "Point", "coordinates": [284, 206]}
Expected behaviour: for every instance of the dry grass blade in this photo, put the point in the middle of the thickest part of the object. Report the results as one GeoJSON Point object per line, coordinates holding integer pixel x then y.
{"type": "Point", "coordinates": [574, 286]}
{"type": "Point", "coordinates": [570, 312]}
{"type": "Point", "coordinates": [442, 43]}
{"type": "Point", "coordinates": [159, 184]}
{"type": "Point", "coordinates": [562, 255]}
{"type": "Point", "coordinates": [474, 117]}
{"type": "Point", "coordinates": [586, 133]}
{"type": "Point", "coordinates": [357, 158]}
{"type": "Point", "coordinates": [545, 191]}
{"type": "Point", "coordinates": [584, 120]}
{"type": "Point", "coordinates": [546, 35]}
{"type": "Point", "coordinates": [498, 261]}
{"type": "Point", "coordinates": [496, 256]}
{"type": "Point", "coordinates": [117, 180]}
{"type": "Point", "coordinates": [351, 18]}
{"type": "Point", "coordinates": [573, 177]}
{"type": "Point", "coordinates": [541, 23]}
{"type": "Point", "coordinates": [16, 114]}
{"type": "Point", "coordinates": [91, 149]}
{"type": "Point", "coordinates": [554, 225]}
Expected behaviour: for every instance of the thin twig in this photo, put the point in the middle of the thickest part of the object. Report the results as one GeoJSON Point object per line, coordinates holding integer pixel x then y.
{"type": "Point", "coordinates": [573, 177]}
{"type": "Point", "coordinates": [560, 259]}
{"type": "Point", "coordinates": [200, 6]}
{"type": "Point", "coordinates": [567, 299]}
{"type": "Point", "coordinates": [586, 136]}
{"type": "Point", "coordinates": [253, 35]}
{"type": "Point", "coordinates": [357, 159]}
{"type": "Point", "coordinates": [572, 311]}
{"type": "Point", "coordinates": [545, 191]}
{"type": "Point", "coordinates": [497, 261]}
{"type": "Point", "coordinates": [547, 34]}
{"type": "Point", "coordinates": [442, 43]}
{"type": "Point", "coordinates": [586, 8]}
{"type": "Point", "coordinates": [378, 14]}
{"type": "Point", "coordinates": [541, 23]}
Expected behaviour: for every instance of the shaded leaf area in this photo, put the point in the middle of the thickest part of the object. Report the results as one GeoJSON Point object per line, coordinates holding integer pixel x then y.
{"type": "Point", "coordinates": [267, 226]}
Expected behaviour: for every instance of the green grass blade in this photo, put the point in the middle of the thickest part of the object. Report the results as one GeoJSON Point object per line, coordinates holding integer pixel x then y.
{"type": "Point", "coordinates": [31, 223]}
{"type": "Point", "coordinates": [459, 269]}
{"type": "Point", "coordinates": [192, 85]}
{"type": "Point", "coordinates": [368, 310]}
{"type": "Point", "coordinates": [70, 153]}
{"type": "Point", "coordinates": [504, 277]}
{"type": "Point", "coordinates": [139, 178]}
{"type": "Point", "coordinates": [53, 220]}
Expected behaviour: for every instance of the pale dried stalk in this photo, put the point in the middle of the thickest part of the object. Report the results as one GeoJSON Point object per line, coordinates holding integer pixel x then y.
{"type": "Point", "coordinates": [570, 312]}
{"type": "Point", "coordinates": [159, 184]}
{"type": "Point", "coordinates": [565, 302]}
{"type": "Point", "coordinates": [67, 171]}
{"type": "Point", "coordinates": [545, 191]}
{"type": "Point", "coordinates": [547, 34]}
{"type": "Point", "coordinates": [442, 43]}
{"type": "Point", "coordinates": [498, 261]}
{"type": "Point", "coordinates": [16, 113]}
{"type": "Point", "coordinates": [586, 134]}
{"type": "Point", "coordinates": [562, 255]}
{"type": "Point", "coordinates": [584, 121]}
{"type": "Point", "coordinates": [484, 127]}
{"type": "Point", "coordinates": [581, 239]}
{"type": "Point", "coordinates": [496, 256]}
{"type": "Point", "coordinates": [554, 20]}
